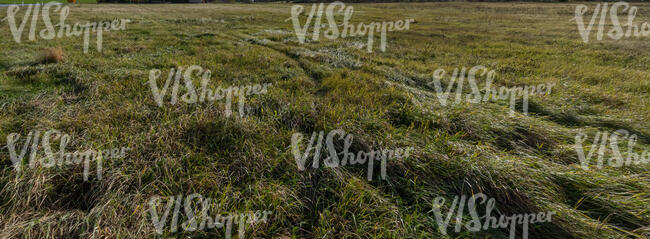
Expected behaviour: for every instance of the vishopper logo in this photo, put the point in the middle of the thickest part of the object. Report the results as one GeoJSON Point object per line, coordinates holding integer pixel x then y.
{"type": "Point", "coordinates": [205, 93]}
{"type": "Point", "coordinates": [475, 224]}
{"type": "Point", "coordinates": [600, 143]}
{"type": "Point", "coordinates": [491, 93]}
{"type": "Point", "coordinates": [49, 33]}
{"type": "Point", "coordinates": [617, 31]}
{"type": "Point", "coordinates": [200, 219]}
{"type": "Point", "coordinates": [348, 157]}
{"type": "Point", "coordinates": [349, 30]}
{"type": "Point", "coordinates": [60, 158]}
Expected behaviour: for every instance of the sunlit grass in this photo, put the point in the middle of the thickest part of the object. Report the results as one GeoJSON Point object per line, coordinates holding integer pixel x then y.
{"type": "Point", "coordinates": [526, 162]}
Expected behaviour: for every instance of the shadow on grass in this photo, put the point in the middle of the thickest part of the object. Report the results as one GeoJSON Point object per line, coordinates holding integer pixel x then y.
{"type": "Point", "coordinates": [598, 208]}
{"type": "Point", "coordinates": [574, 120]}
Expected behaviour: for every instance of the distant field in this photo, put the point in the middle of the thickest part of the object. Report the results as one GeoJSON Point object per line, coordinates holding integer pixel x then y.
{"type": "Point", "coordinates": [41, 1]}
{"type": "Point", "coordinates": [527, 162]}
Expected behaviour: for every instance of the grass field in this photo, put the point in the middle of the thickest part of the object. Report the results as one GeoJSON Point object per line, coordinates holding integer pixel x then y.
{"type": "Point", "coordinates": [42, 1]}
{"type": "Point", "coordinates": [526, 162]}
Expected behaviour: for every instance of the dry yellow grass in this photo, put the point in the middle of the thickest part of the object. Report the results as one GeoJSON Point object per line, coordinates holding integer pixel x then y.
{"type": "Point", "coordinates": [51, 55]}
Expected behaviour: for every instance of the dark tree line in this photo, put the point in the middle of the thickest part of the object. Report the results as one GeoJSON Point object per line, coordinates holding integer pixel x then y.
{"type": "Point", "coordinates": [326, 1]}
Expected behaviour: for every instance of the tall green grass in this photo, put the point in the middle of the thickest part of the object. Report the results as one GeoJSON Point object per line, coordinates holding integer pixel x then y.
{"type": "Point", "coordinates": [527, 163]}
